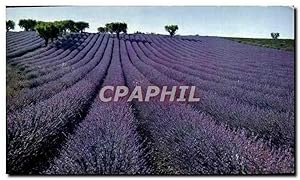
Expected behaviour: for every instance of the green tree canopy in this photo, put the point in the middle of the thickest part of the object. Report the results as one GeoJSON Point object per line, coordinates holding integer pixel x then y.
{"type": "Point", "coordinates": [171, 29]}
{"type": "Point", "coordinates": [81, 25]}
{"type": "Point", "coordinates": [102, 29]}
{"type": "Point", "coordinates": [275, 35]}
{"type": "Point", "coordinates": [116, 27]}
{"type": "Point", "coordinates": [27, 24]}
{"type": "Point", "coordinates": [47, 30]}
{"type": "Point", "coordinates": [10, 25]}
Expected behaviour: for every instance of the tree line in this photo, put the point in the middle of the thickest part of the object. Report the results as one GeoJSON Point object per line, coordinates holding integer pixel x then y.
{"type": "Point", "coordinates": [51, 30]}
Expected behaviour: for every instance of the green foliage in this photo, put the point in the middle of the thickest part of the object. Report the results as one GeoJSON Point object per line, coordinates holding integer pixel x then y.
{"type": "Point", "coordinates": [13, 78]}
{"type": "Point", "coordinates": [102, 29]}
{"type": "Point", "coordinates": [171, 29]}
{"type": "Point", "coordinates": [69, 25]}
{"type": "Point", "coordinates": [116, 27]}
{"type": "Point", "coordinates": [81, 25]}
{"type": "Point", "coordinates": [10, 25]}
{"type": "Point", "coordinates": [27, 24]}
{"type": "Point", "coordinates": [274, 35]}
{"type": "Point", "coordinates": [60, 26]}
{"type": "Point", "coordinates": [283, 44]}
{"type": "Point", "coordinates": [47, 30]}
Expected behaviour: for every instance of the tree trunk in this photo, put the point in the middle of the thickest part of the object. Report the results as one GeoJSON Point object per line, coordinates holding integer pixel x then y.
{"type": "Point", "coordinates": [46, 42]}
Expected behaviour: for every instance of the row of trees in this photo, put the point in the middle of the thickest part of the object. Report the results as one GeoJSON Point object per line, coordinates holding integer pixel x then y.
{"type": "Point", "coordinates": [118, 27]}
{"type": "Point", "coordinates": [49, 30]}
{"type": "Point", "coordinates": [71, 26]}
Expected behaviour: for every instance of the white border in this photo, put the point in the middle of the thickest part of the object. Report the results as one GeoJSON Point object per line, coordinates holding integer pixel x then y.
{"type": "Point", "coordinates": [5, 3]}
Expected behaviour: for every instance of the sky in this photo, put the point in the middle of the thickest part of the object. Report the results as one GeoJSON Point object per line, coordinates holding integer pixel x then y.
{"type": "Point", "coordinates": [253, 22]}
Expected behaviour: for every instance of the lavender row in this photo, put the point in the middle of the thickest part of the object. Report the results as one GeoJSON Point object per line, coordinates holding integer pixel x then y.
{"type": "Point", "coordinates": [24, 50]}
{"type": "Point", "coordinates": [251, 53]}
{"type": "Point", "coordinates": [225, 88]}
{"type": "Point", "coordinates": [36, 132]}
{"type": "Point", "coordinates": [276, 126]}
{"type": "Point", "coordinates": [237, 60]}
{"type": "Point", "coordinates": [188, 142]}
{"type": "Point", "coordinates": [32, 40]}
{"type": "Point", "coordinates": [20, 36]}
{"type": "Point", "coordinates": [75, 59]}
{"type": "Point", "coordinates": [61, 43]}
{"type": "Point", "coordinates": [215, 76]}
{"type": "Point", "coordinates": [54, 54]}
{"type": "Point", "coordinates": [255, 78]}
{"type": "Point", "coordinates": [31, 96]}
{"type": "Point", "coordinates": [106, 141]}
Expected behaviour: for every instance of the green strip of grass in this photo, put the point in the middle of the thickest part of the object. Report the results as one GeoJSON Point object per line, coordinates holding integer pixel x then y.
{"type": "Point", "coordinates": [283, 44]}
{"type": "Point", "coordinates": [13, 78]}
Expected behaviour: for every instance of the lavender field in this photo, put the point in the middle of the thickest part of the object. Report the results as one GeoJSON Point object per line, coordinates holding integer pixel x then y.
{"type": "Point", "coordinates": [244, 122]}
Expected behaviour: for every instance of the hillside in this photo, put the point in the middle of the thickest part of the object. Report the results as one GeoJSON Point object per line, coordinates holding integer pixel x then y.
{"type": "Point", "coordinates": [283, 44]}
{"type": "Point", "coordinates": [244, 122]}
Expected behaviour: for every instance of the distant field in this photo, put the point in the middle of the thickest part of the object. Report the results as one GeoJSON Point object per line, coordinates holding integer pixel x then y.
{"type": "Point", "coordinates": [283, 44]}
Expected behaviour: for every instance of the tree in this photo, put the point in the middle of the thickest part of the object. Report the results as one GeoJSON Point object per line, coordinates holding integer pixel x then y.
{"type": "Point", "coordinates": [27, 24]}
{"type": "Point", "coordinates": [102, 29]}
{"type": "Point", "coordinates": [10, 25]}
{"type": "Point", "coordinates": [275, 35]}
{"type": "Point", "coordinates": [69, 25]}
{"type": "Point", "coordinates": [116, 27]}
{"type": "Point", "coordinates": [47, 30]}
{"type": "Point", "coordinates": [80, 26]}
{"type": "Point", "coordinates": [60, 26]}
{"type": "Point", "coordinates": [171, 29]}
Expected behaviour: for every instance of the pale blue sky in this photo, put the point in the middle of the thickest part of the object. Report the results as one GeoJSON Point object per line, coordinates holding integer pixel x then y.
{"type": "Point", "coordinates": [236, 21]}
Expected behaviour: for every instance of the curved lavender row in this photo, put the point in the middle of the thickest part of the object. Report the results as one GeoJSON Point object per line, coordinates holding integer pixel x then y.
{"type": "Point", "coordinates": [235, 48]}
{"type": "Point", "coordinates": [56, 53]}
{"type": "Point", "coordinates": [282, 64]}
{"type": "Point", "coordinates": [272, 59]}
{"type": "Point", "coordinates": [16, 47]}
{"type": "Point", "coordinates": [20, 36]}
{"type": "Point", "coordinates": [35, 133]}
{"type": "Point", "coordinates": [242, 49]}
{"type": "Point", "coordinates": [27, 42]}
{"type": "Point", "coordinates": [51, 55]}
{"type": "Point", "coordinates": [186, 142]}
{"type": "Point", "coordinates": [216, 67]}
{"type": "Point", "coordinates": [216, 58]}
{"type": "Point", "coordinates": [31, 96]}
{"type": "Point", "coordinates": [253, 98]}
{"type": "Point", "coordinates": [212, 74]}
{"type": "Point", "coordinates": [279, 127]}
{"type": "Point", "coordinates": [67, 53]}
{"type": "Point", "coordinates": [234, 79]}
{"type": "Point", "coordinates": [104, 144]}
{"type": "Point", "coordinates": [11, 35]}
{"type": "Point", "coordinates": [75, 59]}
{"type": "Point", "coordinates": [44, 51]}
{"type": "Point", "coordinates": [66, 58]}
{"type": "Point", "coordinates": [235, 59]}
{"type": "Point", "coordinates": [213, 61]}
{"type": "Point", "coordinates": [24, 50]}
{"type": "Point", "coordinates": [225, 88]}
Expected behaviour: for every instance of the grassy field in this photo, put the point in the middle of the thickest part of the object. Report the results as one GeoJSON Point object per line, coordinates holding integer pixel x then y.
{"type": "Point", "coordinates": [13, 77]}
{"type": "Point", "coordinates": [283, 44]}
